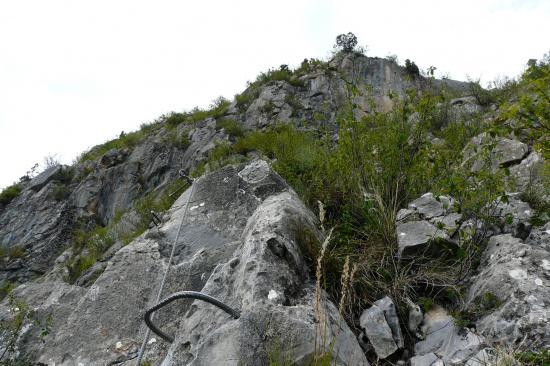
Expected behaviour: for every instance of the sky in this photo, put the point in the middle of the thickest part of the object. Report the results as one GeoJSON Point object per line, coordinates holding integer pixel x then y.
{"type": "Point", "coordinates": [76, 73]}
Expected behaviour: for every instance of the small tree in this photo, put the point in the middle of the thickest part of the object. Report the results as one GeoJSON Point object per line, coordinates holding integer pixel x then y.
{"type": "Point", "coordinates": [347, 42]}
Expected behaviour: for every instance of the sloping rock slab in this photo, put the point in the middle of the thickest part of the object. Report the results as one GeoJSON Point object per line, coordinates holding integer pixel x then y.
{"type": "Point", "coordinates": [43, 178]}
{"type": "Point", "coordinates": [267, 280]}
{"type": "Point", "coordinates": [512, 292]}
{"type": "Point", "coordinates": [443, 338]}
{"type": "Point", "coordinates": [239, 243]}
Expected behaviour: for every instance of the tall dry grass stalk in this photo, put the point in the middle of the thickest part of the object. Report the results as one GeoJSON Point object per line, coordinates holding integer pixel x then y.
{"type": "Point", "coordinates": [346, 282]}
{"type": "Point", "coordinates": [320, 316]}
{"type": "Point", "coordinates": [321, 214]}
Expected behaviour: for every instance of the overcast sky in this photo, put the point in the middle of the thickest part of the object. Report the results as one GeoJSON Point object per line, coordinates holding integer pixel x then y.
{"type": "Point", "coordinates": [76, 73]}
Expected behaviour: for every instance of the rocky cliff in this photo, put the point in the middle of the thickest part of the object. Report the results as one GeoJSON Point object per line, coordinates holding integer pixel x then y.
{"type": "Point", "coordinates": [85, 247]}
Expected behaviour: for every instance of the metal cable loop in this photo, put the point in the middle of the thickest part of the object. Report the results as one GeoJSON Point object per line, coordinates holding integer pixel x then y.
{"type": "Point", "coordinates": [184, 295]}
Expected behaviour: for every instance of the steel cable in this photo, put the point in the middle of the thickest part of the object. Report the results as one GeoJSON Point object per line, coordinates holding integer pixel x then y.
{"type": "Point", "coordinates": [148, 332]}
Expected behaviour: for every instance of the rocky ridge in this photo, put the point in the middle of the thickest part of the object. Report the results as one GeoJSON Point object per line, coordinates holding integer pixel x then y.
{"type": "Point", "coordinates": [247, 240]}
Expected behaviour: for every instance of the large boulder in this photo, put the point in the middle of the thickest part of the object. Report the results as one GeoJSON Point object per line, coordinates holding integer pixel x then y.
{"type": "Point", "coordinates": [426, 220]}
{"type": "Point", "coordinates": [511, 293]}
{"type": "Point", "coordinates": [381, 325]}
{"type": "Point", "coordinates": [507, 152]}
{"type": "Point", "coordinates": [241, 242]}
{"type": "Point", "coordinates": [378, 331]}
{"type": "Point", "coordinates": [414, 237]}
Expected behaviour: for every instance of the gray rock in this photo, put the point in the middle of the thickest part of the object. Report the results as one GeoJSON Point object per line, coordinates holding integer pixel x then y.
{"type": "Point", "coordinates": [113, 157]}
{"type": "Point", "coordinates": [449, 223]}
{"type": "Point", "coordinates": [38, 224]}
{"type": "Point", "coordinates": [325, 89]}
{"type": "Point", "coordinates": [465, 106]}
{"type": "Point", "coordinates": [43, 178]}
{"type": "Point", "coordinates": [240, 243]}
{"type": "Point", "coordinates": [453, 345]}
{"type": "Point", "coordinates": [415, 316]}
{"type": "Point", "coordinates": [528, 173]}
{"type": "Point", "coordinates": [485, 357]}
{"type": "Point", "coordinates": [511, 293]}
{"type": "Point", "coordinates": [540, 237]}
{"type": "Point", "coordinates": [513, 216]}
{"type": "Point", "coordinates": [429, 206]}
{"type": "Point", "coordinates": [503, 152]}
{"type": "Point", "coordinates": [379, 333]}
{"type": "Point", "coordinates": [415, 237]}
{"type": "Point", "coordinates": [428, 359]}
{"type": "Point", "coordinates": [507, 152]}
{"type": "Point", "coordinates": [406, 214]}
{"type": "Point", "coordinates": [390, 313]}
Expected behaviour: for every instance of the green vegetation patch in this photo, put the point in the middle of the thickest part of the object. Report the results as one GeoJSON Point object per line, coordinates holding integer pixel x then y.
{"type": "Point", "coordinates": [231, 127]}
{"type": "Point", "coordinates": [8, 194]}
{"type": "Point", "coordinates": [125, 140]}
{"type": "Point", "coordinates": [217, 109]}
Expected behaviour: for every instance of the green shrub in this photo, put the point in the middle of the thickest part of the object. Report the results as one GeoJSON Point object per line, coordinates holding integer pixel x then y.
{"type": "Point", "coordinates": [483, 96]}
{"type": "Point", "coordinates": [13, 252]}
{"type": "Point", "coordinates": [531, 111]}
{"type": "Point", "coordinates": [78, 266]}
{"type": "Point", "coordinates": [60, 192]}
{"type": "Point", "coordinates": [231, 127]}
{"type": "Point", "coordinates": [11, 329]}
{"type": "Point", "coordinates": [221, 155]}
{"type": "Point", "coordinates": [294, 102]}
{"type": "Point", "coordinates": [308, 66]}
{"type": "Point", "coordinates": [411, 68]}
{"type": "Point", "coordinates": [532, 358]}
{"type": "Point", "coordinates": [181, 141]}
{"type": "Point", "coordinates": [125, 140]}
{"type": "Point", "coordinates": [16, 251]}
{"type": "Point", "coordinates": [218, 108]}
{"type": "Point", "coordinates": [346, 42]}
{"type": "Point", "coordinates": [245, 99]}
{"type": "Point", "coordinates": [8, 194]}
{"type": "Point", "coordinates": [155, 202]}
{"type": "Point", "coordinates": [268, 107]}
{"type": "Point", "coordinates": [64, 175]}
{"type": "Point", "coordinates": [174, 118]}
{"type": "Point", "coordinates": [6, 288]}
{"type": "Point", "coordinates": [281, 74]}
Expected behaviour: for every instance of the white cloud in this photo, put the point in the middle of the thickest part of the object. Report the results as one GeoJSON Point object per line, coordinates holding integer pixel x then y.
{"type": "Point", "coordinates": [75, 73]}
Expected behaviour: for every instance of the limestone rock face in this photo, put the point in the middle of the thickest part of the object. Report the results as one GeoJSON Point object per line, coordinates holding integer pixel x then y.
{"type": "Point", "coordinates": [512, 293]}
{"type": "Point", "coordinates": [322, 91]}
{"type": "Point", "coordinates": [42, 222]}
{"type": "Point", "coordinates": [525, 167]}
{"type": "Point", "coordinates": [241, 244]}
{"type": "Point", "coordinates": [40, 226]}
{"type": "Point", "coordinates": [445, 340]}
